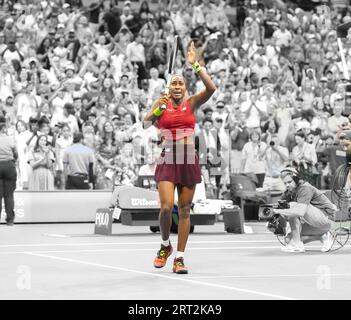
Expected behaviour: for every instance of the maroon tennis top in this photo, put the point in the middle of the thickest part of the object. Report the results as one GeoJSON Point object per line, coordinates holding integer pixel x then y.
{"type": "Point", "coordinates": [177, 122]}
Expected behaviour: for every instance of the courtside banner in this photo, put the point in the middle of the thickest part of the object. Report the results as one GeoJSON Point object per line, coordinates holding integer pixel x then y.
{"type": "Point", "coordinates": [58, 206]}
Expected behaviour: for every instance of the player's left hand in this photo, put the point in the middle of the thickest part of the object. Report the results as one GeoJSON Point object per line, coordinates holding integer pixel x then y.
{"type": "Point", "coordinates": [192, 53]}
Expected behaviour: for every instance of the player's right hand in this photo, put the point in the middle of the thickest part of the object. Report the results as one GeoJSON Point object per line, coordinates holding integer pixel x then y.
{"type": "Point", "coordinates": [163, 101]}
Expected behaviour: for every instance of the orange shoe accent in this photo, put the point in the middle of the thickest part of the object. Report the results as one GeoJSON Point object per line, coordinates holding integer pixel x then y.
{"type": "Point", "coordinates": [179, 267]}
{"type": "Point", "coordinates": [162, 256]}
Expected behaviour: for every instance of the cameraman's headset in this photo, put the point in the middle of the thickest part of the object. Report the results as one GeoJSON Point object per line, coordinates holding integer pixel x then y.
{"type": "Point", "coordinates": [293, 173]}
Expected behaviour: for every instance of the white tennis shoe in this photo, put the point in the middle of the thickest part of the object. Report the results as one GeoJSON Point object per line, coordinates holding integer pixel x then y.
{"type": "Point", "coordinates": [292, 248]}
{"type": "Point", "coordinates": [327, 241]}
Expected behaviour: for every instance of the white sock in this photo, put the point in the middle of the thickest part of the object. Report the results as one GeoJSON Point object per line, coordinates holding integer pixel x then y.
{"type": "Point", "coordinates": [165, 242]}
{"type": "Point", "coordinates": [180, 254]}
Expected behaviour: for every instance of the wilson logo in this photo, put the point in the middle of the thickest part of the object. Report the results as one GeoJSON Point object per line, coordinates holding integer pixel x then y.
{"type": "Point", "coordinates": [144, 202]}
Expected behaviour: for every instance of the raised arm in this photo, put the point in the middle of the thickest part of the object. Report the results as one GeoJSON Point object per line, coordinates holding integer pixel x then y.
{"type": "Point", "coordinates": [200, 98]}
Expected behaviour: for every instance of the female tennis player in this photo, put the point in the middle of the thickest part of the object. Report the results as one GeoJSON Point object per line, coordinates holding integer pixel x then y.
{"type": "Point", "coordinates": [178, 166]}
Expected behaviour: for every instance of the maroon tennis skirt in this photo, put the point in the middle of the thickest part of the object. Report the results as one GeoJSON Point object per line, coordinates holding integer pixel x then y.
{"type": "Point", "coordinates": [179, 163]}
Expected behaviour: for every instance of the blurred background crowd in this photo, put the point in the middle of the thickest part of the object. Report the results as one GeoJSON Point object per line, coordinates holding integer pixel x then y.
{"type": "Point", "coordinates": [96, 67]}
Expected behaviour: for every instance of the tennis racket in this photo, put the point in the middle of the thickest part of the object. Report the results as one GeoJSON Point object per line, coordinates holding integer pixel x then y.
{"type": "Point", "coordinates": [171, 63]}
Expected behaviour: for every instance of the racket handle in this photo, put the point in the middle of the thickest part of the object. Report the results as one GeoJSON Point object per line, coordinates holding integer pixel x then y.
{"type": "Point", "coordinates": [163, 107]}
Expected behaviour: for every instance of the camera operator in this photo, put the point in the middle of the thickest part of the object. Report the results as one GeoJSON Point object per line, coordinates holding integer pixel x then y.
{"type": "Point", "coordinates": [310, 214]}
{"type": "Point", "coordinates": [276, 158]}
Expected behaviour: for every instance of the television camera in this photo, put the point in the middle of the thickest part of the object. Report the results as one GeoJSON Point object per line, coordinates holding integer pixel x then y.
{"type": "Point", "coordinates": [275, 223]}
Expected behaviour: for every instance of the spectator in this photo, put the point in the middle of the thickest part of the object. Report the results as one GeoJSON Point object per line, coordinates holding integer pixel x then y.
{"type": "Point", "coordinates": [276, 158]}
{"type": "Point", "coordinates": [2, 42]}
{"type": "Point", "coordinates": [93, 12]}
{"type": "Point", "coordinates": [64, 16]}
{"type": "Point", "coordinates": [220, 112]}
{"type": "Point", "coordinates": [239, 136]}
{"type": "Point", "coordinates": [63, 140]}
{"type": "Point", "coordinates": [41, 159]}
{"type": "Point", "coordinates": [282, 37]}
{"type": "Point", "coordinates": [304, 156]}
{"type": "Point", "coordinates": [252, 160]}
{"type": "Point", "coordinates": [223, 136]}
{"type": "Point", "coordinates": [43, 50]}
{"type": "Point", "coordinates": [135, 52]}
{"type": "Point", "coordinates": [261, 68]}
{"type": "Point", "coordinates": [208, 145]}
{"type": "Point", "coordinates": [270, 24]}
{"type": "Point", "coordinates": [139, 148]}
{"type": "Point", "coordinates": [69, 117]}
{"type": "Point", "coordinates": [105, 155]}
{"type": "Point", "coordinates": [89, 138]}
{"type": "Point", "coordinates": [126, 15]}
{"type": "Point", "coordinates": [148, 169]}
{"type": "Point", "coordinates": [337, 119]}
{"type": "Point", "coordinates": [338, 95]}
{"type": "Point", "coordinates": [255, 110]}
{"type": "Point", "coordinates": [22, 135]}
{"type": "Point", "coordinates": [8, 176]}
{"type": "Point", "coordinates": [78, 163]}
{"type": "Point", "coordinates": [155, 82]}
{"type": "Point", "coordinates": [11, 52]}
{"type": "Point", "coordinates": [111, 18]}
{"type": "Point", "coordinates": [9, 31]}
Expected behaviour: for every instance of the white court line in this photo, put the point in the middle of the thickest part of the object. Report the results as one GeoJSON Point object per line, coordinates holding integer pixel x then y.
{"type": "Point", "coordinates": [152, 249]}
{"type": "Point", "coordinates": [131, 250]}
{"type": "Point", "coordinates": [56, 235]}
{"type": "Point", "coordinates": [259, 293]}
{"type": "Point", "coordinates": [307, 275]}
{"type": "Point", "coordinates": [125, 243]}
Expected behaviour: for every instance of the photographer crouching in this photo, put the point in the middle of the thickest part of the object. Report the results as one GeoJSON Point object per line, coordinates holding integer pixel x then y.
{"type": "Point", "coordinates": [309, 212]}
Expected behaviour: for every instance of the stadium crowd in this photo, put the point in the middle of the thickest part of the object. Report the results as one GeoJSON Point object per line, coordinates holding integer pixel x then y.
{"type": "Point", "coordinates": [70, 66]}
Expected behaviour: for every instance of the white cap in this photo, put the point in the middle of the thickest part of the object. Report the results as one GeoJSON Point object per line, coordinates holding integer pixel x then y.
{"type": "Point", "coordinates": [18, 6]}
{"type": "Point", "coordinates": [65, 5]}
{"type": "Point", "coordinates": [69, 66]}
{"type": "Point", "coordinates": [137, 134]}
{"type": "Point", "coordinates": [91, 79]}
{"type": "Point", "coordinates": [268, 86]}
{"type": "Point", "coordinates": [300, 125]}
{"type": "Point", "coordinates": [332, 33]}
